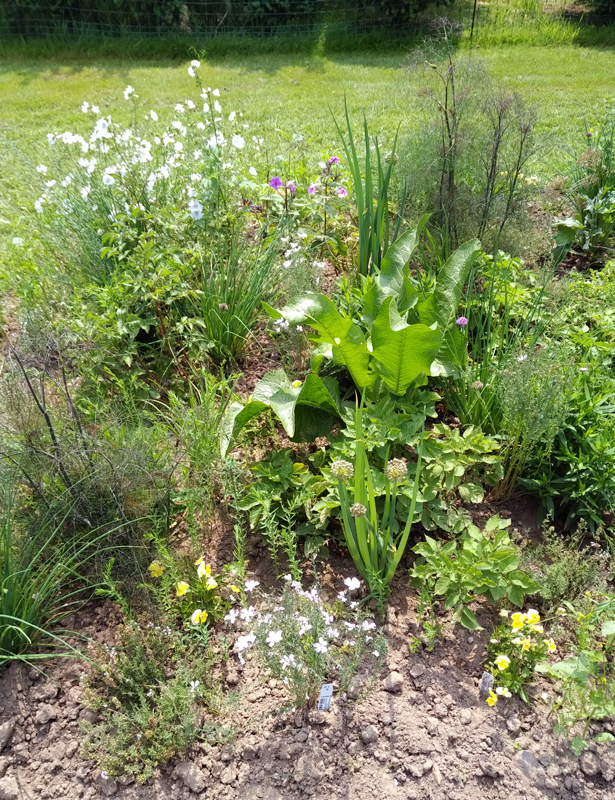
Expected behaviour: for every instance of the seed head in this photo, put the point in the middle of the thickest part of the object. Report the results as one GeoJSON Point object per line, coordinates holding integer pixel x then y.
{"type": "Point", "coordinates": [342, 470]}
{"type": "Point", "coordinates": [396, 470]}
{"type": "Point", "coordinates": [358, 510]}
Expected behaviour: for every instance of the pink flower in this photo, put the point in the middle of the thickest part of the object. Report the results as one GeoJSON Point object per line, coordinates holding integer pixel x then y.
{"type": "Point", "coordinates": [342, 192]}
{"type": "Point", "coordinates": [275, 182]}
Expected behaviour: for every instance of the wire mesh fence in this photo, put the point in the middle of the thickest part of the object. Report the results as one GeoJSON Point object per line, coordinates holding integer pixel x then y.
{"type": "Point", "coordinates": [205, 19]}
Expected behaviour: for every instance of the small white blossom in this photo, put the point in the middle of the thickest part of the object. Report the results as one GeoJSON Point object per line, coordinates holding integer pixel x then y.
{"type": "Point", "coordinates": [273, 638]}
{"type": "Point", "coordinates": [128, 91]}
{"type": "Point", "coordinates": [249, 586]}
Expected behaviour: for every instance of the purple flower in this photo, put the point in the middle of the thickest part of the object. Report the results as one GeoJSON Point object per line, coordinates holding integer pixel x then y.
{"type": "Point", "coordinates": [334, 160]}
{"type": "Point", "coordinates": [342, 192]}
{"type": "Point", "coordinates": [312, 189]}
{"type": "Point", "coordinates": [275, 182]}
{"type": "Point", "coordinates": [291, 187]}
{"type": "Point", "coordinates": [589, 134]}
{"type": "Point", "coordinates": [462, 322]}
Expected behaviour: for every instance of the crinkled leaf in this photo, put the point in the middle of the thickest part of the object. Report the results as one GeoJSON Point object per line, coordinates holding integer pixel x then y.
{"type": "Point", "coordinates": [471, 492]}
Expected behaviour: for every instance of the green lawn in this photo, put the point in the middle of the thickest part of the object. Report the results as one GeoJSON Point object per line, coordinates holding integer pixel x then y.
{"type": "Point", "coordinates": [281, 94]}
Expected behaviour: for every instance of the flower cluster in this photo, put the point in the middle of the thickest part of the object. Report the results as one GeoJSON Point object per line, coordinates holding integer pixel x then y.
{"type": "Point", "coordinates": [302, 641]}
{"type": "Point", "coordinates": [515, 649]}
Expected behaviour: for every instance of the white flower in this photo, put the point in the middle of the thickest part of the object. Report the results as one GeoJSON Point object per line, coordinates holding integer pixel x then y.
{"type": "Point", "coordinates": [128, 91]}
{"type": "Point", "coordinates": [42, 169]}
{"type": "Point", "coordinates": [153, 115]}
{"type": "Point", "coordinates": [321, 646]}
{"type": "Point", "coordinates": [17, 241]}
{"type": "Point", "coordinates": [352, 584]}
{"type": "Point", "coordinates": [238, 141]}
{"type": "Point", "coordinates": [178, 146]}
{"type": "Point", "coordinates": [179, 108]}
{"type": "Point", "coordinates": [195, 209]}
{"type": "Point", "coordinates": [253, 172]}
{"type": "Point", "coordinates": [108, 180]}
{"type": "Point", "coordinates": [247, 614]}
{"type": "Point", "coordinates": [288, 577]}
{"type": "Point", "coordinates": [217, 106]}
{"type": "Point", "coordinates": [193, 686]}
{"type": "Point", "coordinates": [190, 104]}
{"type": "Point", "coordinates": [85, 190]}
{"type": "Point", "coordinates": [38, 205]}
{"type": "Point", "coordinates": [231, 616]}
{"type": "Point", "coordinates": [95, 110]}
{"type": "Point", "coordinates": [201, 126]}
{"type": "Point", "coordinates": [216, 92]}
{"type": "Point", "coordinates": [273, 638]}
{"type": "Point", "coordinates": [377, 653]}
{"type": "Point", "coordinates": [243, 642]}
{"type": "Point", "coordinates": [249, 586]}
{"type": "Point", "coordinates": [522, 357]}
{"type": "Point", "coordinates": [196, 176]}
{"type": "Point", "coordinates": [104, 775]}
{"type": "Point", "coordinates": [194, 63]}
{"type": "Point", "coordinates": [50, 184]}
{"type": "Point", "coordinates": [231, 116]}
{"type": "Point", "coordinates": [287, 661]}
{"type": "Point", "coordinates": [341, 596]}
{"type": "Point", "coordinates": [85, 106]}
{"type": "Point", "coordinates": [51, 138]}
{"type": "Point", "coordinates": [197, 154]}
{"type": "Point", "coordinates": [368, 625]}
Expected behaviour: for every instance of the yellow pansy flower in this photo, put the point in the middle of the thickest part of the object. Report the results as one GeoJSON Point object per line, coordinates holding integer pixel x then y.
{"type": "Point", "coordinates": [203, 570]}
{"type": "Point", "coordinates": [518, 620]}
{"type": "Point", "coordinates": [532, 617]}
{"type": "Point", "coordinates": [492, 699]}
{"type": "Point", "coordinates": [296, 384]}
{"type": "Point", "coordinates": [525, 645]}
{"type": "Point", "coordinates": [502, 662]}
{"type": "Point", "coordinates": [198, 616]}
{"type": "Point", "coordinates": [235, 589]}
{"type": "Point", "coordinates": [550, 645]}
{"type": "Point", "coordinates": [182, 588]}
{"type": "Point", "coordinates": [536, 628]}
{"type": "Point", "coordinates": [211, 583]}
{"type": "Point", "coordinates": [156, 569]}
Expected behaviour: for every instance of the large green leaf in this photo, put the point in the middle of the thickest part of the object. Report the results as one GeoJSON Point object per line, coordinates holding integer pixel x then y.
{"type": "Point", "coordinates": [348, 345]}
{"type": "Point", "coordinates": [392, 280]}
{"type": "Point", "coordinates": [305, 411]}
{"type": "Point", "coordinates": [401, 352]}
{"type": "Point", "coordinates": [441, 307]}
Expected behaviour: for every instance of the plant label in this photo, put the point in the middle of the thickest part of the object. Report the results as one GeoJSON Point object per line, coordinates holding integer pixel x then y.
{"type": "Point", "coordinates": [326, 694]}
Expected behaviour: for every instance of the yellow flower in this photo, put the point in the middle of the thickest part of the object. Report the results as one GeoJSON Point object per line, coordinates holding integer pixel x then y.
{"type": "Point", "coordinates": [211, 583]}
{"type": "Point", "coordinates": [561, 612]}
{"type": "Point", "coordinates": [202, 570]}
{"type": "Point", "coordinates": [502, 662]}
{"type": "Point", "coordinates": [296, 384]}
{"type": "Point", "coordinates": [532, 617]}
{"type": "Point", "coordinates": [492, 699]}
{"type": "Point", "coordinates": [182, 588]}
{"type": "Point", "coordinates": [536, 628]}
{"type": "Point", "coordinates": [235, 589]}
{"type": "Point", "coordinates": [156, 569]}
{"type": "Point", "coordinates": [550, 645]}
{"type": "Point", "coordinates": [526, 644]}
{"type": "Point", "coordinates": [518, 620]}
{"type": "Point", "coordinates": [198, 616]}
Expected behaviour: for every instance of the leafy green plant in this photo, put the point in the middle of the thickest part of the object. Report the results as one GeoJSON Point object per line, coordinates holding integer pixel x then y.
{"type": "Point", "coordinates": [587, 678]}
{"type": "Point", "coordinates": [411, 334]}
{"type": "Point", "coordinates": [146, 690]}
{"type": "Point", "coordinates": [280, 503]}
{"type": "Point", "coordinates": [372, 212]}
{"type": "Point", "coordinates": [516, 648]}
{"type": "Point", "coordinates": [478, 563]}
{"type": "Point", "coordinates": [455, 464]}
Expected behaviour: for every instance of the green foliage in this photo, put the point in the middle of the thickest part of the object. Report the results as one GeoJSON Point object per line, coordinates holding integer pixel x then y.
{"type": "Point", "coordinates": [516, 648]}
{"type": "Point", "coordinates": [146, 690]}
{"type": "Point", "coordinates": [575, 476]}
{"type": "Point", "coordinates": [476, 564]}
{"type": "Point", "coordinates": [563, 568]}
{"type": "Point", "coordinates": [280, 501]}
{"type": "Point", "coordinates": [372, 212]}
{"type": "Point", "coordinates": [455, 465]}
{"type": "Point", "coordinates": [41, 583]}
{"type": "Point", "coordinates": [586, 691]}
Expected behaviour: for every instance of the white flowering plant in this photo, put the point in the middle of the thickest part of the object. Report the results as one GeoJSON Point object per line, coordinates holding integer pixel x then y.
{"type": "Point", "coordinates": [304, 642]}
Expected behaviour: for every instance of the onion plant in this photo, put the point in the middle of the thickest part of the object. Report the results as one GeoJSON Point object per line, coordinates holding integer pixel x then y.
{"type": "Point", "coordinates": [375, 541]}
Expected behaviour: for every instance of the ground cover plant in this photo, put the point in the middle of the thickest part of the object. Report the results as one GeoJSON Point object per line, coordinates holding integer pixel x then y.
{"type": "Point", "coordinates": [278, 418]}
